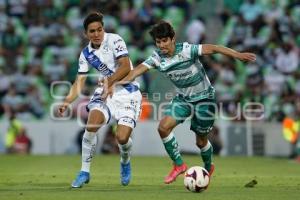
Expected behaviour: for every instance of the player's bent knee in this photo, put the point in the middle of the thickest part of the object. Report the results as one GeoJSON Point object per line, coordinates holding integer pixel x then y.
{"type": "Point", "coordinates": [201, 142]}
{"type": "Point", "coordinates": [199, 145]}
{"type": "Point", "coordinates": [122, 139]}
{"type": "Point", "coordinates": [163, 130]}
{"type": "Point", "coordinates": [93, 126]}
{"type": "Point", "coordinates": [92, 129]}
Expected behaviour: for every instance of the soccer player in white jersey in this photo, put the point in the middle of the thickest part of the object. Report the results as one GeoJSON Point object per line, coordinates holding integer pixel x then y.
{"type": "Point", "coordinates": [195, 95]}
{"type": "Point", "coordinates": [107, 53]}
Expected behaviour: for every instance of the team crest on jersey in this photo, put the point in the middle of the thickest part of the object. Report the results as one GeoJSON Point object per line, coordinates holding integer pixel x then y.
{"type": "Point", "coordinates": [181, 57]}
{"type": "Point", "coordinates": [105, 49]}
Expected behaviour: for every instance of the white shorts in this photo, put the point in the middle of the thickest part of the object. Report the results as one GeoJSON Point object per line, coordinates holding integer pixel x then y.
{"type": "Point", "coordinates": [124, 106]}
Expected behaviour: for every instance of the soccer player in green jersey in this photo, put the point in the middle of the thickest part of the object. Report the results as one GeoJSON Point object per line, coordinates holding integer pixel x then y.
{"type": "Point", "coordinates": [195, 95]}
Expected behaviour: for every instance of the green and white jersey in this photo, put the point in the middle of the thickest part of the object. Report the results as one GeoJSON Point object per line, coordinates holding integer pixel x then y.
{"type": "Point", "coordinates": [184, 70]}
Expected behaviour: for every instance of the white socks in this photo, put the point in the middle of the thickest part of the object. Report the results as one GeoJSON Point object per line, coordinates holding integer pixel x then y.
{"type": "Point", "coordinates": [168, 138]}
{"type": "Point", "coordinates": [207, 147]}
{"type": "Point", "coordinates": [125, 150]}
{"type": "Point", "coordinates": [89, 142]}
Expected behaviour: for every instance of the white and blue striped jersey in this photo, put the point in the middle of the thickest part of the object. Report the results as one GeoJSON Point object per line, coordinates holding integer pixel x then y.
{"type": "Point", "coordinates": [104, 59]}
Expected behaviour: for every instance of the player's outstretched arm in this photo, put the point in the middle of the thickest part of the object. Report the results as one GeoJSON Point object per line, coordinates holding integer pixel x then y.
{"type": "Point", "coordinates": [208, 49]}
{"type": "Point", "coordinates": [73, 93]}
{"type": "Point", "coordinates": [121, 72]}
{"type": "Point", "coordinates": [139, 70]}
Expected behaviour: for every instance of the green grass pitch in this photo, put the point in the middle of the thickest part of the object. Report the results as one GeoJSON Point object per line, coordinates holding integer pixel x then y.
{"type": "Point", "coordinates": [49, 178]}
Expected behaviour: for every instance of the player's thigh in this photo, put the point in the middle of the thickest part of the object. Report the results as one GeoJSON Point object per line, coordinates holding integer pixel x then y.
{"type": "Point", "coordinates": [96, 119]}
{"type": "Point", "coordinates": [167, 124]}
{"type": "Point", "coordinates": [96, 104]}
{"type": "Point", "coordinates": [179, 109]}
{"type": "Point", "coordinates": [204, 116]}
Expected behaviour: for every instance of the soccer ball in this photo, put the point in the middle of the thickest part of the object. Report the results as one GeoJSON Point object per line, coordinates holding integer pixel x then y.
{"type": "Point", "coordinates": [196, 179]}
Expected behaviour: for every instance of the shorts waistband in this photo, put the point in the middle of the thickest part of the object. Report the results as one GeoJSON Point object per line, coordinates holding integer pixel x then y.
{"type": "Point", "coordinates": [131, 87]}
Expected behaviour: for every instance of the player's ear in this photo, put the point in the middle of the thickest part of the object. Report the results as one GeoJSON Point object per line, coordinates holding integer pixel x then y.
{"type": "Point", "coordinates": [85, 34]}
{"type": "Point", "coordinates": [173, 39]}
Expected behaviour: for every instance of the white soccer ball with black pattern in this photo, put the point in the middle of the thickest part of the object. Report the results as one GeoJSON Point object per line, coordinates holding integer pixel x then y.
{"type": "Point", "coordinates": [196, 179]}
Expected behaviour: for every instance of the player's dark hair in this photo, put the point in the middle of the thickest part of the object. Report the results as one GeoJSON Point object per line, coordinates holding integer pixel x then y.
{"type": "Point", "coordinates": [92, 17]}
{"type": "Point", "coordinates": [162, 29]}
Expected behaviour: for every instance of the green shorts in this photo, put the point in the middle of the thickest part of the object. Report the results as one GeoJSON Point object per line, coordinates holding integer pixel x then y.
{"type": "Point", "coordinates": [202, 113]}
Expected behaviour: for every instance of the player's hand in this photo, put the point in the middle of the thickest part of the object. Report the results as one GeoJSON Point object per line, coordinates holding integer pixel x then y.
{"type": "Point", "coordinates": [62, 108]}
{"type": "Point", "coordinates": [107, 91]}
{"type": "Point", "coordinates": [101, 82]}
{"type": "Point", "coordinates": [250, 57]}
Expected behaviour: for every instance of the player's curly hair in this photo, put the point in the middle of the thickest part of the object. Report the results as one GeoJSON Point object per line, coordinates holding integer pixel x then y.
{"type": "Point", "coordinates": [162, 29]}
{"type": "Point", "coordinates": [93, 17]}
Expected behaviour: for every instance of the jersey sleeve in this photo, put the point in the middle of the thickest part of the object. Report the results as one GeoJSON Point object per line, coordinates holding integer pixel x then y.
{"type": "Point", "coordinates": [199, 49]}
{"type": "Point", "coordinates": [119, 47]}
{"type": "Point", "coordinates": [196, 50]}
{"type": "Point", "coordinates": [192, 51]}
{"type": "Point", "coordinates": [152, 61]}
{"type": "Point", "coordinates": [83, 66]}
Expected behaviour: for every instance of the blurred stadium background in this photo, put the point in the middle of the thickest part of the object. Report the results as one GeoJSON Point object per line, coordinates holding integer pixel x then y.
{"type": "Point", "coordinates": [41, 40]}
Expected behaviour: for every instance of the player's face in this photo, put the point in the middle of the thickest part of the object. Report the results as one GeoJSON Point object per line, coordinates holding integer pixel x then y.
{"type": "Point", "coordinates": [166, 45]}
{"type": "Point", "coordinates": [95, 33]}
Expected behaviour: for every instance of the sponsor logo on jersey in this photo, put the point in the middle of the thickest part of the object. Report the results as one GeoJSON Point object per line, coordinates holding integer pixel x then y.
{"type": "Point", "coordinates": [120, 49]}
{"type": "Point", "coordinates": [92, 60]}
{"type": "Point", "coordinates": [104, 69]}
{"type": "Point", "coordinates": [119, 40]}
{"type": "Point", "coordinates": [180, 75]}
